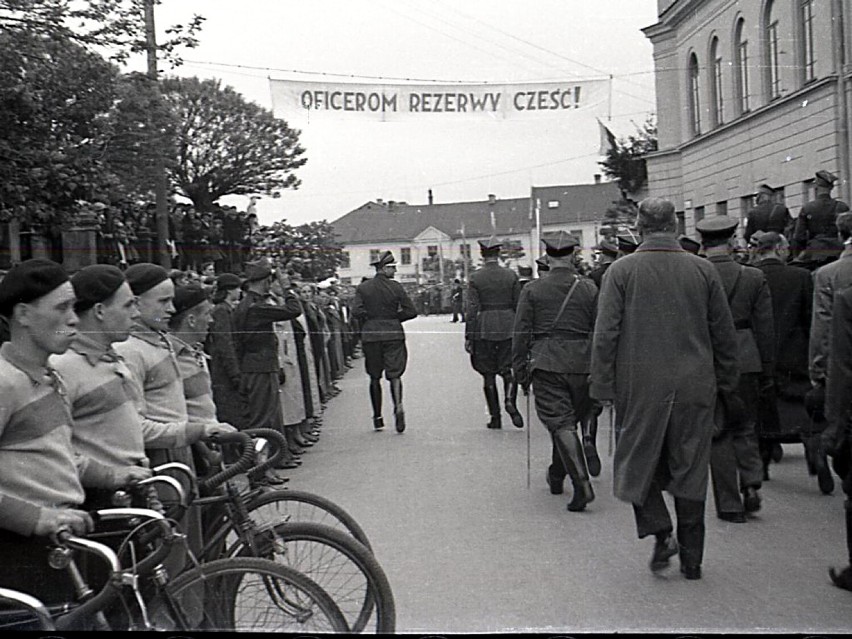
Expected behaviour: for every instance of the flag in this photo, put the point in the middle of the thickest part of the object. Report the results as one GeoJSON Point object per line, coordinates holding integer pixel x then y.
{"type": "Point", "coordinates": [607, 139]}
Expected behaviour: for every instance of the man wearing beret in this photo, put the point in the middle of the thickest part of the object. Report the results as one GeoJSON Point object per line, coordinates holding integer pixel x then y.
{"type": "Point", "coordinates": [225, 372]}
{"type": "Point", "coordinates": [493, 293]}
{"type": "Point", "coordinates": [735, 451]}
{"type": "Point", "coordinates": [104, 403]}
{"type": "Point", "coordinates": [664, 345]}
{"type": "Point", "coordinates": [40, 489]}
{"type": "Point", "coordinates": [551, 347]}
{"type": "Point", "coordinates": [767, 215]}
{"type": "Point", "coordinates": [381, 305]}
{"type": "Point", "coordinates": [257, 347]}
{"type": "Point", "coordinates": [815, 231]}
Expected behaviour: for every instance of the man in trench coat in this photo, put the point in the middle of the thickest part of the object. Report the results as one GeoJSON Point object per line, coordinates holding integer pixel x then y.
{"type": "Point", "coordinates": [664, 345]}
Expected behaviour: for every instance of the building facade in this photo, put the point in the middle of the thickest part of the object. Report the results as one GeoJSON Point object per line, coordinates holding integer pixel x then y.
{"type": "Point", "coordinates": [421, 235]}
{"type": "Point", "coordinates": [748, 92]}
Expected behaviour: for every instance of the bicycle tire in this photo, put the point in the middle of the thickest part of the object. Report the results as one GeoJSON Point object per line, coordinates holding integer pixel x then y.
{"type": "Point", "coordinates": [300, 505]}
{"type": "Point", "coordinates": [339, 564]}
{"type": "Point", "coordinates": [211, 594]}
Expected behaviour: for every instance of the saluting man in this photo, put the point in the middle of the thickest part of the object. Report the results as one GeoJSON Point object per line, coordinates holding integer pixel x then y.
{"type": "Point", "coordinates": [493, 293]}
{"type": "Point", "coordinates": [551, 348]}
{"type": "Point", "coordinates": [381, 305]}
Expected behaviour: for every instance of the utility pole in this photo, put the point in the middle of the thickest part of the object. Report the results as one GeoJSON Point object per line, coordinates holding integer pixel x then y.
{"type": "Point", "coordinates": [160, 184]}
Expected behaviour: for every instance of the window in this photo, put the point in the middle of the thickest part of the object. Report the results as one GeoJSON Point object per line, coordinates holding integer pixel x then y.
{"type": "Point", "coordinates": [374, 255]}
{"type": "Point", "coordinates": [681, 223]}
{"type": "Point", "coordinates": [741, 67]}
{"type": "Point", "coordinates": [344, 259]}
{"type": "Point", "coordinates": [694, 96]}
{"type": "Point", "coordinates": [432, 250]}
{"type": "Point", "coordinates": [699, 214]}
{"type": "Point", "coordinates": [405, 256]}
{"type": "Point", "coordinates": [716, 86]}
{"type": "Point", "coordinates": [553, 204]}
{"type": "Point", "coordinates": [806, 22]}
{"type": "Point", "coordinates": [464, 250]}
{"type": "Point", "coordinates": [722, 208]}
{"type": "Point", "coordinates": [773, 76]}
{"type": "Point", "coordinates": [809, 190]}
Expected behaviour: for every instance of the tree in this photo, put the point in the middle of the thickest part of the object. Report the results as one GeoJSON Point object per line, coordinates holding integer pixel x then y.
{"type": "Point", "coordinates": [227, 145]}
{"type": "Point", "coordinates": [620, 214]}
{"type": "Point", "coordinates": [311, 249]}
{"type": "Point", "coordinates": [625, 161]}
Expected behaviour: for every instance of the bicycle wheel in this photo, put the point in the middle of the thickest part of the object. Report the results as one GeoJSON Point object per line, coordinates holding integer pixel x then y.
{"type": "Point", "coordinates": [277, 505]}
{"type": "Point", "coordinates": [341, 566]}
{"type": "Point", "coordinates": [245, 594]}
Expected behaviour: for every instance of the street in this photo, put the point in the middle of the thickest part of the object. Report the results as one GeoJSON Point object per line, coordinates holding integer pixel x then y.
{"type": "Point", "coordinates": [468, 547]}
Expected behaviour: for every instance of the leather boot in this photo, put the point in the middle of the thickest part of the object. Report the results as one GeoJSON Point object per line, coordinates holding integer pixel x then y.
{"type": "Point", "coordinates": [811, 444]}
{"type": "Point", "coordinates": [510, 396]}
{"type": "Point", "coordinates": [843, 579]}
{"type": "Point", "coordinates": [398, 411]}
{"type": "Point", "coordinates": [690, 536]}
{"type": "Point", "coordinates": [493, 402]}
{"type": "Point", "coordinates": [568, 445]}
{"type": "Point", "coordinates": [823, 470]}
{"type": "Point", "coordinates": [292, 445]}
{"type": "Point", "coordinates": [376, 401]}
{"type": "Point", "coordinates": [590, 433]}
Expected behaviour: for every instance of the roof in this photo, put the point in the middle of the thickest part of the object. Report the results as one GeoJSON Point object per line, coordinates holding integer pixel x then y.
{"type": "Point", "coordinates": [386, 222]}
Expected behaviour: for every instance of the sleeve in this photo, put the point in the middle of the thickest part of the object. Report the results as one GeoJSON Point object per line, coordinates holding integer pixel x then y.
{"type": "Point", "coordinates": [516, 292]}
{"type": "Point", "coordinates": [17, 515]}
{"type": "Point", "coordinates": [221, 335]}
{"type": "Point", "coordinates": [839, 384]}
{"type": "Point", "coordinates": [407, 310]}
{"type": "Point", "coordinates": [800, 234]}
{"type": "Point", "coordinates": [607, 333]}
{"type": "Point", "coordinates": [763, 326]}
{"type": "Point", "coordinates": [93, 474]}
{"type": "Point", "coordinates": [262, 313]}
{"type": "Point", "coordinates": [820, 323]}
{"type": "Point", "coordinates": [471, 309]}
{"type": "Point", "coordinates": [723, 336]}
{"type": "Point", "coordinates": [522, 331]}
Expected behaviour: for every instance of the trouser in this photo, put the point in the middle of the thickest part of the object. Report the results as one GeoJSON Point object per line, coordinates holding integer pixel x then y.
{"type": "Point", "coordinates": [560, 400]}
{"type": "Point", "coordinates": [264, 406]}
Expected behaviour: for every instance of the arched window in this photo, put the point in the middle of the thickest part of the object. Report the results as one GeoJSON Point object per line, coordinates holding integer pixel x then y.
{"type": "Point", "coordinates": [694, 96]}
{"type": "Point", "coordinates": [772, 64]}
{"type": "Point", "coordinates": [716, 84]}
{"type": "Point", "coordinates": [741, 67]}
{"type": "Point", "coordinates": [806, 41]}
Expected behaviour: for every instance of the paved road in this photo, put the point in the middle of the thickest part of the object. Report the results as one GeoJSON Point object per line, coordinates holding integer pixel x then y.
{"type": "Point", "coordinates": [469, 548]}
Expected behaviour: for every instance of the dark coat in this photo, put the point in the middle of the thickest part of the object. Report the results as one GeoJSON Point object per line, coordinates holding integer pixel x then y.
{"type": "Point", "coordinates": [565, 347]}
{"type": "Point", "coordinates": [839, 386]}
{"type": "Point", "coordinates": [791, 290]}
{"type": "Point", "coordinates": [224, 367]}
{"type": "Point", "coordinates": [767, 216]}
{"type": "Point", "coordinates": [828, 281]}
{"type": "Point", "coordinates": [254, 339]}
{"type": "Point", "coordinates": [817, 219]}
{"type": "Point", "coordinates": [597, 273]}
{"type": "Point", "coordinates": [492, 297]}
{"type": "Point", "coordinates": [664, 343]}
{"type": "Point", "coordinates": [381, 304]}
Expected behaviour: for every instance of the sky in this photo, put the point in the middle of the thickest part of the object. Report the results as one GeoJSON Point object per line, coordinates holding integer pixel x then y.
{"type": "Point", "coordinates": [352, 162]}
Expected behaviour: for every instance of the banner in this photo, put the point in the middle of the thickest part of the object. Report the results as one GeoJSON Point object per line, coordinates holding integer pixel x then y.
{"type": "Point", "coordinates": [408, 102]}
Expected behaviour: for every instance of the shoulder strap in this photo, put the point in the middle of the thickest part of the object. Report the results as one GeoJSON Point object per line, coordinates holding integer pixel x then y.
{"type": "Point", "coordinates": [564, 303]}
{"type": "Point", "coordinates": [733, 290]}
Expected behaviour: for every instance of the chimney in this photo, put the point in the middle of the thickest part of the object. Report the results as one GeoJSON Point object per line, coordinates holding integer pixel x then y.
{"type": "Point", "coordinates": [597, 178]}
{"type": "Point", "coordinates": [492, 199]}
{"type": "Point", "coordinates": [380, 201]}
{"type": "Point", "coordinates": [391, 205]}
{"type": "Point", "coordinates": [430, 197]}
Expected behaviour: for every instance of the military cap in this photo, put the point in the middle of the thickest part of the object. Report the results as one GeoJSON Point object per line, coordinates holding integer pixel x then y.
{"type": "Point", "coordinates": [825, 178]}
{"type": "Point", "coordinates": [560, 244]}
{"type": "Point", "coordinates": [688, 244]}
{"type": "Point", "coordinates": [628, 241]}
{"type": "Point", "coordinates": [385, 259]}
{"type": "Point", "coordinates": [256, 271]}
{"type": "Point", "coordinates": [188, 296]}
{"type": "Point", "coordinates": [543, 263]}
{"type": "Point", "coordinates": [765, 188]}
{"type": "Point", "coordinates": [717, 226]}
{"type": "Point", "coordinates": [491, 244]}
{"type": "Point", "coordinates": [607, 246]}
{"type": "Point", "coordinates": [228, 281]}
{"type": "Point", "coordinates": [28, 281]}
{"type": "Point", "coordinates": [145, 276]}
{"type": "Point", "coordinates": [94, 284]}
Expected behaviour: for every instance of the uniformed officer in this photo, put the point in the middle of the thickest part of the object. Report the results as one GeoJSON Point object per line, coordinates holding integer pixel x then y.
{"type": "Point", "coordinates": [735, 450]}
{"type": "Point", "coordinates": [627, 241]}
{"type": "Point", "coordinates": [381, 305]}
{"type": "Point", "coordinates": [767, 215]}
{"type": "Point", "coordinates": [551, 347]}
{"type": "Point", "coordinates": [493, 293]}
{"type": "Point", "coordinates": [815, 236]}
{"type": "Point", "coordinates": [607, 254]}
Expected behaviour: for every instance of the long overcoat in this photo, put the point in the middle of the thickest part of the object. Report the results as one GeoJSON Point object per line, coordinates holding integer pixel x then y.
{"type": "Point", "coordinates": [664, 342]}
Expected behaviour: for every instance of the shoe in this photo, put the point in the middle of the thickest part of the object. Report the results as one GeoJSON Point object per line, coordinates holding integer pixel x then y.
{"type": "Point", "coordinates": [592, 459]}
{"type": "Point", "coordinates": [495, 423]}
{"type": "Point", "coordinates": [296, 451]}
{"type": "Point", "coordinates": [556, 487]}
{"type": "Point", "coordinates": [583, 495]}
{"type": "Point", "coordinates": [734, 518]}
{"type": "Point", "coordinates": [691, 572]}
{"type": "Point", "coordinates": [378, 423]}
{"type": "Point", "coordinates": [664, 550]}
{"type": "Point", "coordinates": [272, 479]}
{"type": "Point", "coordinates": [400, 421]}
{"type": "Point", "coordinates": [289, 464]}
{"type": "Point", "coordinates": [766, 473]}
{"type": "Point", "coordinates": [824, 478]}
{"type": "Point", "coordinates": [751, 499]}
{"type": "Point", "coordinates": [843, 579]}
{"type": "Point", "coordinates": [777, 452]}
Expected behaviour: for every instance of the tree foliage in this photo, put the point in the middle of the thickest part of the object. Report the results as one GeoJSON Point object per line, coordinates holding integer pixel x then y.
{"type": "Point", "coordinates": [625, 161]}
{"type": "Point", "coordinates": [227, 145]}
{"type": "Point", "coordinates": [310, 249]}
{"type": "Point", "coordinates": [620, 214]}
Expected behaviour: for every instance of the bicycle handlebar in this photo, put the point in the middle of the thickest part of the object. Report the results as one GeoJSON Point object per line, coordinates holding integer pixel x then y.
{"type": "Point", "coordinates": [280, 447]}
{"type": "Point", "coordinates": [243, 464]}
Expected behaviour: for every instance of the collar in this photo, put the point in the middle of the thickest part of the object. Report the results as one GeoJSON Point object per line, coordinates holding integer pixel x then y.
{"type": "Point", "coordinates": [659, 242]}
{"type": "Point", "coordinates": [716, 259]}
{"type": "Point", "coordinates": [93, 351]}
{"type": "Point", "coordinates": [38, 374]}
{"type": "Point", "coordinates": [770, 261]}
{"type": "Point", "coordinates": [154, 338]}
{"type": "Point", "coordinates": [195, 350]}
{"type": "Point", "coordinates": [847, 251]}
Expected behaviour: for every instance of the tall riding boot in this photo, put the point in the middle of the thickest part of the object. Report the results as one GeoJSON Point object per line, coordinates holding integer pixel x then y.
{"type": "Point", "coordinates": [569, 447]}
{"type": "Point", "coordinates": [510, 398]}
{"type": "Point", "coordinates": [843, 579]}
{"type": "Point", "coordinates": [493, 401]}
{"type": "Point", "coordinates": [818, 462]}
{"type": "Point", "coordinates": [690, 535]}
{"type": "Point", "coordinates": [396, 395]}
{"type": "Point", "coordinates": [589, 425]}
{"type": "Point", "coordinates": [376, 401]}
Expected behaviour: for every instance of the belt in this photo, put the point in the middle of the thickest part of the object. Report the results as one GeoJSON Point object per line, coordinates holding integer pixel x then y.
{"type": "Point", "coordinates": [566, 335]}
{"type": "Point", "coordinates": [496, 307]}
{"type": "Point", "coordinates": [741, 324]}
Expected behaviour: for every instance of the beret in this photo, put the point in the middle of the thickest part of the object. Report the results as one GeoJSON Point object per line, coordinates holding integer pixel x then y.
{"type": "Point", "coordinates": [188, 296]}
{"type": "Point", "coordinates": [143, 277]}
{"type": "Point", "coordinates": [259, 270]}
{"type": "Point", "coordinates": [29, 281]}
{"type": "Point", "coordinates": [717, 226]}
{"type": "Point", "coordinates": [94, 284]}
{"type": "Point", "coordinates": [491, 244]}
{"type": "Point", "coordinates": [228, 280]}
{"type": "Point", "coordinates": [386, 259]}
{"type": "Point", "coordinates": [559, 244]}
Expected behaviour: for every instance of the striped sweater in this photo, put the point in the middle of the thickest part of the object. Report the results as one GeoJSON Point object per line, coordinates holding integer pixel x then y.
{"type": "Point", "coordinates": [197, 388]}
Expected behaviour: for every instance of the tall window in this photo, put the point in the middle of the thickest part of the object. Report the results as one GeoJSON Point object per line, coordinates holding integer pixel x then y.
{"type": "Point", "coordinates": [344, 259]}
{"type": "Point", "coordinates": [432, 250]}
{"type": "Point", "coordinates": [722, 208]}
{"type": "Point", "coordinates": [698, 214]}
{"type": "Point", "coordinates": [716, 87]}
{"type": "Point", "coordinates": [694, 96]}
{"type": "Point", "coordinates": [374, 255]}
{"type": "Point", "coordinates": [773, 68]}
{"type": "Point", "coordinates": [806, 17]}
{"type": "Point", "coordinates": [405, 256]}
{"type": "Point", "coordinates": [741, 67]}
